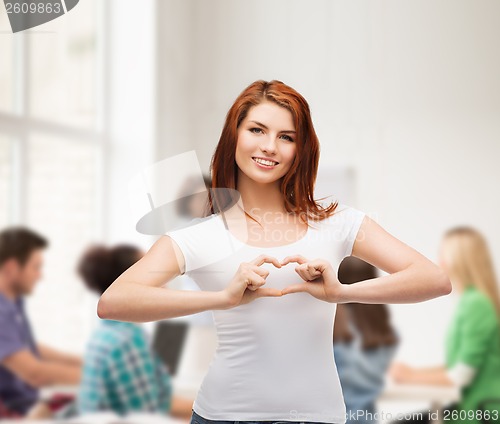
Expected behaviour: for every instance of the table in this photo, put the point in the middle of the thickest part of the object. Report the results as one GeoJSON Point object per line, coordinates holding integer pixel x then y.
{"type": "Point", "coordinates": [436, 396]}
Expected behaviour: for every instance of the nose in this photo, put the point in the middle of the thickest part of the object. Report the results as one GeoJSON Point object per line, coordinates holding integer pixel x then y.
{"type": "Point", "coordinates": [268, 144]}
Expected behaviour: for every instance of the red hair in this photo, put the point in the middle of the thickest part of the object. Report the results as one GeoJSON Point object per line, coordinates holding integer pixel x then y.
{"type": "Point", "coordinates": [297, 185]}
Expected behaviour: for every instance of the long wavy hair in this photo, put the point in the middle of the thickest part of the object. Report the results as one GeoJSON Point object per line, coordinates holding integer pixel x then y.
{"type": "Point", "coordinates": [297, 185]}
{"type": "Point", "coordinates": [371, 321]}
{"type": "Point", "coordinates": [469, 261]}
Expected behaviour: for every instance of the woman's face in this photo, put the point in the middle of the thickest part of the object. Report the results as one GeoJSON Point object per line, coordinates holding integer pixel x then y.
{"type": "Point", "coordinates": [268, 133]}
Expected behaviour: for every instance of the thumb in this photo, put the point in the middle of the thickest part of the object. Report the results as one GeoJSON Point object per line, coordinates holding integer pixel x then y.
{"type": "Point", "coordinates": [295, 288]}
{"type": "Point", "coordinates": [267, 291]}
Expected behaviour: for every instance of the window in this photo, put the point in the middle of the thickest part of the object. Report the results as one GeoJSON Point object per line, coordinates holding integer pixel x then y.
{"type": "Point", "coordinates": [5, 179]}
{"type": "Point", "coordinates": [52, 144]}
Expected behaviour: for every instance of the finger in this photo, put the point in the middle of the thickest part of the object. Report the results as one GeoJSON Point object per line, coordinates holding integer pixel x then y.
{"type": "Point", "coordinates": [266, 258]}
{"type": "Point", "coordinates": [249, 285]}
{"type": "Point", "coordinates": [255, 281]}
{"type": "Point", "coordinates": [313, 271]}
{"type": "Point", "coordinates": [306, 272]}
{"type": "Point", "coordinates": [294, 258]}
{"type": "Point", "coordinates": [295, 288]}
{"type": "Point", "coordinates": [320, 264]}
{"type": "Point", "coordinates": [310, 271]}
{"type": "Point", "coordinates": [302, 272]}
{"type": "Point", "coordinates": [260, 271]}
{"type": "Point", "coordinates": [267, 291]}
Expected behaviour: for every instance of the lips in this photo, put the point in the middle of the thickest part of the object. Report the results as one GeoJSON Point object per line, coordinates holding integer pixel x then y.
{"type": "Point", "coordinates": [265, 161]}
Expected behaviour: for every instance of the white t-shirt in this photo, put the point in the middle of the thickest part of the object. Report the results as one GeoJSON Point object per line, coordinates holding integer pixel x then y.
{"type": "Point", "coordinates": [274, 358]}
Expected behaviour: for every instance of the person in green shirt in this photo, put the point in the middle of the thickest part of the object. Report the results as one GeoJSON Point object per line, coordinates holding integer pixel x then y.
{"type": "Point", "coordinates": [472, 343]}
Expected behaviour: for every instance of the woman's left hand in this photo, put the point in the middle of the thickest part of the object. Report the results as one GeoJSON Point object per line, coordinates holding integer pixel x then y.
{"type": "Point", "coordinates": [319, 276]}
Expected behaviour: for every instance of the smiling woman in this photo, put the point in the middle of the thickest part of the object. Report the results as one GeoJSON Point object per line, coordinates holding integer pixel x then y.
{"type": "Point", "coordinates": [273, 293]}
{"type": "Point", "coordinates": [266, 145]}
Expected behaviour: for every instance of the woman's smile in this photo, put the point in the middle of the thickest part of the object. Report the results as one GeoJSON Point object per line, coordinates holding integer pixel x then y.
{"type": "Point", "coordinates": [265, 163]}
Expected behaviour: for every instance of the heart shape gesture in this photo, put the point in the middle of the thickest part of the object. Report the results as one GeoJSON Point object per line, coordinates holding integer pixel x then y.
{"type": "Point", "coordinates": [319, 276]}
{"type": "Point", "coordinates": [247, 283]}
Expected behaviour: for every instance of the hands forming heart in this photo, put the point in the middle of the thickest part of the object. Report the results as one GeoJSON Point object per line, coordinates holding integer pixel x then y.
{"type": "Point", "coordinates": [319, 277]}
{"type": "Point", "coordinates": [319, 280]}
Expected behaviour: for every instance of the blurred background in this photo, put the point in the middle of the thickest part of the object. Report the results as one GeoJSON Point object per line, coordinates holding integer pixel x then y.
{"type": "Point", "coordinates": [405, 98]}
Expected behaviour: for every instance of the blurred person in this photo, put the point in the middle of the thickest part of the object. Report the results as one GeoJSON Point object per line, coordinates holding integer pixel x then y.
{"type": "Point", "coordinates": [194, 205]}
{"type": "Point", "coordinates": [472, 342]}
{"type": "Point", "coordinates": [121, 372]}
{"type": "Point", "coordinates": [274, 359]}
{"type": "Point", "coordinates": [364, 344]}
{"type": "Point", "coordinates": [25, 365]}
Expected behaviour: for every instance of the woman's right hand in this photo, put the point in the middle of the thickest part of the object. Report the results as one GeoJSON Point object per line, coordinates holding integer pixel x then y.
{"type": "Point", "coordinates": [247, 283]}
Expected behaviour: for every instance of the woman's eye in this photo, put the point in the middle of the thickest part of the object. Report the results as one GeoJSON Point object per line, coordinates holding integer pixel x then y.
{"type": "Point", "coordinates": [256, 130]}
{"type": "Point", "coordinates": [288, 137]}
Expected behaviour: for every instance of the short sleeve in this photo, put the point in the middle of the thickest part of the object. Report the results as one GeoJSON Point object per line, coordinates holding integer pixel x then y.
{"type": "Point", "coordinates": [10, 340]}
{"type": "Point", "coordinates": [185, 238]}
{"type": "Point", "coordinates": [202, 241]}
{"type": "Point", "coordinates": [478, 324]}
{"type": "Point", "coordinates": [350, 220]}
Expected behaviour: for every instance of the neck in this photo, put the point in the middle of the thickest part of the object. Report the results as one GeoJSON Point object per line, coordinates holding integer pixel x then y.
{"type": "Point", "coordinates": [7, 290]}
{"type": "Point", "coordinates": [260, 197]}
{"type": "Point", "coordinates": [459, 286]}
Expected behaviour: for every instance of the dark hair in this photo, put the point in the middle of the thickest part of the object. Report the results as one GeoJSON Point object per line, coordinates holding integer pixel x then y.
{"type": "Point", "coordinates": [371, 320]}
{"type": "Point", "coordinates": [99, 265]}
{"type": "Point", "coordinates": [19, 242]}
{"type": "Point", "coordinates": [184, 202]}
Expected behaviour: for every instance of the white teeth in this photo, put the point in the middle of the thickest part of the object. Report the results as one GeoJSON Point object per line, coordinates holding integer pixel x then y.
{"type": "Point", "coordinates": [265, 162]}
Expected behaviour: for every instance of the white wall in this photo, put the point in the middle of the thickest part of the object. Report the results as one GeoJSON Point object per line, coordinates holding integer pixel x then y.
{"type": "Point", "coordinates": [131, 64]}
{"type": "Point", "coordinates": [404, 92]}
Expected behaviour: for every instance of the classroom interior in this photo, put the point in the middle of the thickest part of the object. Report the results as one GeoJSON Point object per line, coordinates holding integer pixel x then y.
{"type": "Point", "coordinates": [404, 96]}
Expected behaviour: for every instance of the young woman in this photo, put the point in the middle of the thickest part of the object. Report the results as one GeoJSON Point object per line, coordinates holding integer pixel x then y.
{"type": "Point", "coordinates": [473, 338]}
{"type": "Point", "coordinates": [270, 278]}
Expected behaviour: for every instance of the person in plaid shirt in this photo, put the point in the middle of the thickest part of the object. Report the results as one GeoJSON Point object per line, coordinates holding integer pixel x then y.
{"type": "Point", "coordinates": [121, 373]}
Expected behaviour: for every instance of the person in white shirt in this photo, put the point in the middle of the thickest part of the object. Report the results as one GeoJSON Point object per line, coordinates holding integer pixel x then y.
{"type": "Point", "coordinates": [267, 262]}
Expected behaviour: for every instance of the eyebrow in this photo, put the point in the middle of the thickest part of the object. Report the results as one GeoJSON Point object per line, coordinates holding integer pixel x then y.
{"type": "Point", "coordinates": [284, 131]}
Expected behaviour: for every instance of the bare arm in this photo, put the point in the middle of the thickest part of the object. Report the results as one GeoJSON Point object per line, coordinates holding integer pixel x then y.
{"type": "Point", "coordinates": [53, 355]}
{"type": "Point", "coordinates": [413, 277]}
{"type": "Point", "coordinates": [402, 373]}
{"type": "Point", "coordinates": [138, 294]}
{"type": "Point", "coordinates": [40, 373]}
{"type": "Point", "coordinates": [438, 378]}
